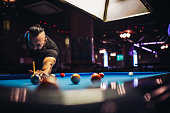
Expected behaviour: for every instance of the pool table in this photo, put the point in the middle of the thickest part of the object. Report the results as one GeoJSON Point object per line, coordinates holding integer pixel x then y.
{"type": "Point", "coordinates": [23, 80]}
{"type": "Point", "coordinates": [117, 92]}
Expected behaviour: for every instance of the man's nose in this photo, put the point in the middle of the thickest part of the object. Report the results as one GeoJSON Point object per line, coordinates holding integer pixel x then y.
{"type": "Point", "coordinates": [35, 48]}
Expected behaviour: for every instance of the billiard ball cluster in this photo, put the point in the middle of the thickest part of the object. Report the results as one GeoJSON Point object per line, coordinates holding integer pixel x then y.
{"type": "Point", "coordinates": [75, 78]}
{"type": "Point", "coordinates": [96, 78]}
{"type": "Point", "coordinates": [36, 79]}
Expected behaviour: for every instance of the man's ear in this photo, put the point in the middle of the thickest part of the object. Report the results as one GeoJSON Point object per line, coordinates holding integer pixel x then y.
{"type": "Point", "coordinates": [45, 40]}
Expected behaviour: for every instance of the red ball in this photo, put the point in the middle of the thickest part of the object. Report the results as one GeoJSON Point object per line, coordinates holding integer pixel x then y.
{"type": "Point", "coordinates": [101, 75]}
{"type": "Point", "coordinates": [62, 74]}
{"type": "Point", "coordinates": [95, 77]}
{"type": "Point", "coordinates": [75, 78]}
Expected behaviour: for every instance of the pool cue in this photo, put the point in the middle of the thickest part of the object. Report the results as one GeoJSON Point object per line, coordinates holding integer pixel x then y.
{"type": "Point", "coordinates": [33, 67]}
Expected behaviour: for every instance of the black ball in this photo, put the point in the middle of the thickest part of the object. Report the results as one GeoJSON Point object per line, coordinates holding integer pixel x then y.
{"type": "Point", "coordinates": [35, 79]}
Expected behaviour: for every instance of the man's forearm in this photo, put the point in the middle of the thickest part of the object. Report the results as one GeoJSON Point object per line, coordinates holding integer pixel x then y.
{"type": "Point", "coordinates": [48, 64]}
{"type": "Point", "coordinates": [47, 67]}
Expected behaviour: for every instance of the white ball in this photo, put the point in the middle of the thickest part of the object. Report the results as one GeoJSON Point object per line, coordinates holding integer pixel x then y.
{"type": "Point", "coordinates": [130, 73]}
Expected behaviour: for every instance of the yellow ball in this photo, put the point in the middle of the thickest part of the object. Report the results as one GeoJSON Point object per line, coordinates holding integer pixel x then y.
{"type": "Point", "coordinates": [75, 78]}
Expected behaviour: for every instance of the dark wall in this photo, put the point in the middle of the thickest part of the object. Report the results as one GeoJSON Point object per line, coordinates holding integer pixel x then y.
{"type": "Point", "coordinates": [14, 22]}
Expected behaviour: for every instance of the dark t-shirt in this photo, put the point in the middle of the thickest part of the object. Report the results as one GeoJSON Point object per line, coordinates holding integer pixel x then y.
{"type": "Point", "coordinates": [50, 49]}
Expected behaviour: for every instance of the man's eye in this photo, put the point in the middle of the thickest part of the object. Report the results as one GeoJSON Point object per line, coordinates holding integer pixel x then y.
{"type": "Point", "coordinates": [38, 45]}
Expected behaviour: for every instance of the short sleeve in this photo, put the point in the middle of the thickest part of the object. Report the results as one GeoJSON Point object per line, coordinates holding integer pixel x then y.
{"type": "Point", "coordinates": [51, 53]}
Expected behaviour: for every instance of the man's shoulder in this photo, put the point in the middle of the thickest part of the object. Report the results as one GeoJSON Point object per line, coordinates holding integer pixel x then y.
{"type": "Point", "coordinates": [48, 39]}
{"type": "Point", "coordinates": [50, 44]}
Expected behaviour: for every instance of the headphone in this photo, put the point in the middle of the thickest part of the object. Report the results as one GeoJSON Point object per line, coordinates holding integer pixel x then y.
{"type": "Point", "coordinates": [27, 38]}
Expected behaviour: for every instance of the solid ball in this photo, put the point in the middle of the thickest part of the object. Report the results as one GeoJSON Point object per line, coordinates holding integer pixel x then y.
{"type": "Point", "coordinates": [31, 78]}
{"type": "Point", "coordinates": [62, 74]}
{"type": "Point", "coordinates": [101, 75]}
{"type": "Point", "coordinates": [95, 77]}
{"type": "Point", "coordinates": [75, 78]}
{"type": "Point", "coordinates": [130, 73]}
{"type": "Point", "coordinates": [35, 79]}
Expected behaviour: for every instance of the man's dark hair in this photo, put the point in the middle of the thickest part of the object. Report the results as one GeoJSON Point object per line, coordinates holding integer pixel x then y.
{"type": "Point", "coordinates": [35, 30]}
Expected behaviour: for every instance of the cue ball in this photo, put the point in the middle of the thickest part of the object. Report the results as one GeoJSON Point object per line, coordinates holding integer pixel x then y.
{"type": "Point", "coordinates": [62, 74]}
{"type": "Point", "coordinates": [95, 77]}
{"type": "Point", "coordinates": [101, 75]}
{"type": "Point", "coordinates": [130, 73]}
{"type": "Point", "coordinates": [75, 78]}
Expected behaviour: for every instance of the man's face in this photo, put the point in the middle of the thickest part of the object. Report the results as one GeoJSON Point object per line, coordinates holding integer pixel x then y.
{"type": "Point", "coordinates": [37, 43]}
